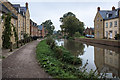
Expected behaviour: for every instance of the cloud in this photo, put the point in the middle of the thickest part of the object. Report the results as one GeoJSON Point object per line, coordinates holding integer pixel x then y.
{"type": "Point", "coordinates": [85, 11]}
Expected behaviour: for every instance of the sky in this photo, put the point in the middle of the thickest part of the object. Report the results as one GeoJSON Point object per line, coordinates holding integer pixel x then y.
{"type": "Point", "coordinates": [85, 11]}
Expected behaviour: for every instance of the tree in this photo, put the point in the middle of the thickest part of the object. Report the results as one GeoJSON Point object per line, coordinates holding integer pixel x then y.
{"type": "Point", "coordinates": [7, 32]}
{"type": "Point", "coordinates": [49, 26]}
{"type": "Point", "coordinates": [70, 24]}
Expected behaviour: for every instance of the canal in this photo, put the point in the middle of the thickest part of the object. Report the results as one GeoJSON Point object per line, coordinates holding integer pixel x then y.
{"type": "Point", "coordinates": [106, 59]}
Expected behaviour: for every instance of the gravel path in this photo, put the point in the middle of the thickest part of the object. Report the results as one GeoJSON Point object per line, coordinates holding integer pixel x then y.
{"type": "Point", "coordinates": [23, 64]}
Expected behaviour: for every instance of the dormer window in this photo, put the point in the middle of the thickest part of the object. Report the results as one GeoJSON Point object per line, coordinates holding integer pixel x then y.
{"type": "Point", "coordinates": [23, 13]}
{"type": "Point", "coordinates": [116, 13]}
{"type": "Point", "coordinates": [19, 10]}
{"type": "Point", "coordinates": [107, 15]}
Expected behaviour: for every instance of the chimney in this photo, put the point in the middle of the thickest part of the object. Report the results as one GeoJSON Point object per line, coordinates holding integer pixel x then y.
{"type": "Point", "coordinates": [98, 9]}
{"type": "Point", "coordinates": [26, 5]}
{"type": "Point", "coordinates": [113, 8]}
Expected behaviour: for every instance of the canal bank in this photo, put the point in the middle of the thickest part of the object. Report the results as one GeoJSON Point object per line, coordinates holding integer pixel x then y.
{"type": "Point", "coordinates": [114, 43]}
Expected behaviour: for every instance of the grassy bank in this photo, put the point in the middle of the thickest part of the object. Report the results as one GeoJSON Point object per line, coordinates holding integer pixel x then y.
{"type": "Point", "coordinates": [60, 65]}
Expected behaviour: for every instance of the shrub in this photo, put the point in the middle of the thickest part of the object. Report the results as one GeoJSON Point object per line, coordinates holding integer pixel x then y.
{"type": "Point", "coordinates": [77, 34]}
{"type": "Point", "coordinates": [117, 37]}
{"type": "Point", "coordinates": [58, 52]}
{"type": "Point", "coordinates": [49, 40]}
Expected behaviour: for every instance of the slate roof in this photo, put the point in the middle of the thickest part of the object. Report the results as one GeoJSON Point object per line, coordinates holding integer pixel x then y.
{"type": "Point", "coordinates": [5, 10]}
{"type": "Point", "coordinates": [33, 23]}
{"type": "Point", "coordinates": [106, 15]}
{"type": "Point", "coordinates": [40, 27]}
{"type": "Point", "coordinates": [21, 10]}
{"type": "Point", "coordinates": [16, 6]}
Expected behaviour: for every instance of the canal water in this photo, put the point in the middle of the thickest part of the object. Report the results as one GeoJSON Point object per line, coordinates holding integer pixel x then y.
{"type": "Point", "coordinates": [106, 59]}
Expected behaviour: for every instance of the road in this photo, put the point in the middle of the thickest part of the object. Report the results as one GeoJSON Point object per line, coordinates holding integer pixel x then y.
{"type": "Point", "coordinates": [23, 64]}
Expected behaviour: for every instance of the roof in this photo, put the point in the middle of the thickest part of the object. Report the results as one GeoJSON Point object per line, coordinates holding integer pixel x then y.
{"type": "Point", "coordinates": [40, 27]}
{"type": "Point", "coordinates": [21, 10]}
{"type": "Point", "coordinates": [5, 10]}
{"type": "Point", "coordinates": [16, 6]}
{"type": "Point", "coordinates": [33, 23]}
{"type": "Point", "coordinates": [106, 15]}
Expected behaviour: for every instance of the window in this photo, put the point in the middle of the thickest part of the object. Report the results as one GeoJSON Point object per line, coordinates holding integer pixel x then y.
{"type": "Point", "coordinates": [115, 23]}
{"type": "Point", "coordinates": [116, 13]}
{"type": "Point", "coordinates": [106, 24]}
{"type": "Point", "coordinates": [19, 36]}
{"type": "Point", "coordinates": [14, 22]}
{"type": "Point", "coordinates": [98, 34]}
{"type": "Point", "coordinates": [19, 24]}
{"type": "Point", "coordinates": [107, 15]}
{"type": "Point", "coordinates": [98, 19]}
{"type": "Point", "coordinates": [115, 32]}
{"type": "Point", "coordinates": [1, 17]}
{"type": "Point", "coordinates": [97, 26]}
{"type": "Point", "coordinates": [110, 24]}
{"type": "Point", "coordinates": [107, 34]}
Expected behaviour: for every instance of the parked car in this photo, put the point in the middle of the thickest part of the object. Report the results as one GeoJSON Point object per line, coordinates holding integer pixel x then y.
{"type": "Point", "coordinates": [89, 36]}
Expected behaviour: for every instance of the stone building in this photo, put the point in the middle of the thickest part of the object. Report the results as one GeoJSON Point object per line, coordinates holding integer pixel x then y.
{"type": "Point", "coordinates": [33, 29]}
{"type": "Point", "coordinates": [3, 11]}
{"type": "Point", "coordinates": [98, 25]}
{"type": "Point", "coordinates": [20, 19]}
{"type": "Point", "coordinates": [106, 23]}
{"type": "Point", "coordinates": [20, 22]}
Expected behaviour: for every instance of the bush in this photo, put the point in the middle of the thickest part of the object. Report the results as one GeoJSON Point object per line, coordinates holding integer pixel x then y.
{"type": "Point", "coordinates": [117, 37]}
{"type": "Point", "coordinates": [77, 34]}
{"type": "Point", "coordinates": [49, 40]}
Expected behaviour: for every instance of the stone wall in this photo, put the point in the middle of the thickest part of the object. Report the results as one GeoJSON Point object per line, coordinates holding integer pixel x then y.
{"type": "Point", "coordinates": [100, 41]}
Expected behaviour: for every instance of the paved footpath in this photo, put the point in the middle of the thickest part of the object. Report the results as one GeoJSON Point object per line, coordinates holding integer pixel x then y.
{"type": "Point", "coordinates": [23, 64]}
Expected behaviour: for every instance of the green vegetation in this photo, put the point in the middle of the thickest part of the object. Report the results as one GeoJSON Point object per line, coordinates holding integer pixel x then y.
{"type": "Point", "coordinates": [2, 57]}
{"type": "Point", "coordinates": [49, 26]}
{"type": "Point", "coordinates": [59, 62]}
{"type": "Point", "coordinates": [71, 24]}
{"type": "Point", "coordinates": [7, 31]}
{"type": "Point", "coordinates": [82, 37]}
{"type": "Point", "coordinates": [117, 37]}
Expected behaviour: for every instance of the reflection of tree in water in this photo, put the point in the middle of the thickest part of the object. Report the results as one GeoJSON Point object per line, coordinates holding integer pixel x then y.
{"type": "Point", "coordinates": [76, 48]}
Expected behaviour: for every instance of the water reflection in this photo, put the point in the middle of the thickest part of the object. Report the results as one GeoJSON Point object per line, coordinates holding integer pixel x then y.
{"type": "Point", "coordinates": [104, 58]}
{"type": "Point", "coordinates": [107, 61]}
{"type": "Point", "coordinates": [74, 47]}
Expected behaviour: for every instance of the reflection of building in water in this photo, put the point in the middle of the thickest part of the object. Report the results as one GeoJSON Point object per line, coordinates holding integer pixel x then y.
{"type": "Point", "coordinates": [99, 58]}
{"type": "Point", "coordinates": [107, 61]}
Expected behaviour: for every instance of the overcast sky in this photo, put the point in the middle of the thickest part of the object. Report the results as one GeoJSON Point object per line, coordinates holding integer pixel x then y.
{"type": "Point", "coordinates": [85, 11]}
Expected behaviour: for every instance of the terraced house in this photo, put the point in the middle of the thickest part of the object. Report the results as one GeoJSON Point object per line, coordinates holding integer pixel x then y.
{"type": "Point", "coordinates": [107, 23]}
{"type": "Point", "coordinates": [23, 20]}
{"type": "Point", "coordinates": [20, 19]}
{"type": "Point", "coordinates": [33, 29]}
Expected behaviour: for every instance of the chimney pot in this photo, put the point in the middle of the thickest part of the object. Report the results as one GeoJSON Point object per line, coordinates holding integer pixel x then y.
{"type": "Point", "coordinates": [26, 5]}
{"type": "Point", "coordinates": [98, 9]}
{"type": "Point", "coordinates": [113, 8]}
